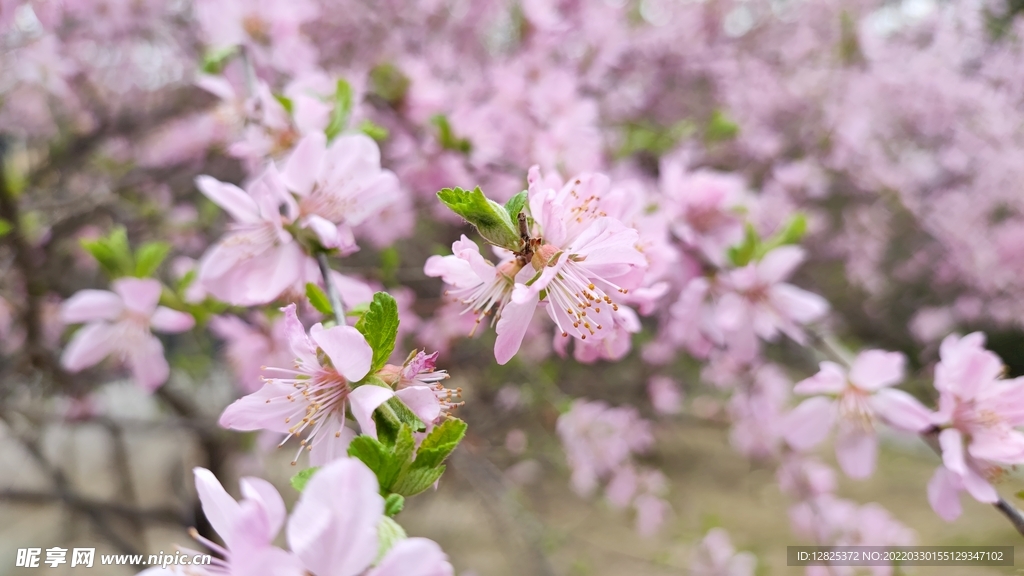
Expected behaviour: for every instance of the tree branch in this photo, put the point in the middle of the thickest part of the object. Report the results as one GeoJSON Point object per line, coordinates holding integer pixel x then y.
{"type": "Point", "coordinates": [332, 290]}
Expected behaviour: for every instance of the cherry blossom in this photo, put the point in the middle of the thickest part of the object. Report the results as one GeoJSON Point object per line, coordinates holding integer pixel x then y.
{"type": "Point", "coordinates": [118, 323]}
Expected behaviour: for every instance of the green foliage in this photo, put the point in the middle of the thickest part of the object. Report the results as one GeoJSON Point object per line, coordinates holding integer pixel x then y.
{"type": "Point", "coordinates": [389, 83]}
{"type": "Point", "coordinates": [116, 258]}
{"type": "Point", "coordinates": [5, 227]}
{"type": "Point", "coordinates": [379, 325]}
{"type": "Point", "coordinates": [390, 260]}
{"type": "Point", "coordinates": [752, 248]}
{"type": "Point", "coordinates": [515, 205]}
{"type": "Point", "coordinates": [389, 533]}
{"type": "Point", "coordinates": [149, 257]}
{"type": "Point", "coordinates": [394, 504]}
{"type": "Point", "coordinates": [215, 60]}
{"type": "Point", "coordinates": [446, 136]}
{"type": "Point", "coordinates": [373, 130]}
{"type": "Point", "coordinates": [489, 218]}
{"type": "Point", "coordinates": [397, 470]}
{"type": "Point", "coordinates": [318, 299]}
{"type": "Point", "coordinates": [300, 480]}
{"type": "Point", "coordinates": [720, 128]}
{"type": "Point", "coordinates": [285, 102]}
{"type": "Point", "coordinates": [112, 252]}
{"type": "Point", "coordinates": [646, 137]}
{"type": "Point", "coordinates": [342, 109]}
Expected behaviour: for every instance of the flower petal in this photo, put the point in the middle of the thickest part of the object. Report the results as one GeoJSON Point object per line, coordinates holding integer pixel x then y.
{"type": "Point", "coordinates": [333, 528]}
{"type": "Point", "coordinates": [231, 198]}
{"type": "Point", "coordinates": [952, 442]}
{"type": "Point", "coordinates": [269, 501]}
{"type": "Point", "coordinates": [363, 401]}
{"type": "Point", "coordinates": [874, 369]}
{"type": "Point", "coordinates": [347, 349]}
{"type": "Point", "coordinates": [901, 410]}
{"type": "Point", "coordinates": [414, 557]}
{"type": "Point", "coordinates": [91, 305]}
{"type": "Point", "coordinates": [856, 450]}
{"type": "Point", "coordinates": [422, 401]}
{"type": "Point", "coordinates": [332, 441]}
{"type": "Point", "coordinates": [167, 320]}
{"type": "Point", "coordinates": [511, 328]}
{"type": "Point", "coordinates": [808, 424]}
{"type": "Point", "coordinates": [944, 494]}
{"type": "Point", "coordinates": [140, 295]}
{"type": "Point", "coordinates": [90, 344]}
{"type": "Point", "coordinates": [303, 166]}
{"type": "Point", "coordinates": [275, 406]}
{"type": "Point", "coordinates": [220, 509]}
{"type": "Point", "coordinates": [830, 379]}
{"type": "Point", "coordinates": [146, 360]}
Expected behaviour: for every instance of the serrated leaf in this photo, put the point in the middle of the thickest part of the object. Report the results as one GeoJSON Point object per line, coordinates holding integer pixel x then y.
{"type": "Point", "coordinates": [370, 452]}
{"type": "Point", "coordinates": [319, 300]}
{"type": "Point", "coordinates": [489, 218]}
{"type": "Point", "coordinates": [394, 504]}
{"type": "Point", "coordinates": [300, 480]}
{"type": "Point", "coordinates": [441, 441]}
{"type": "Point", "coordinates": [379, 325]}
{"type": "Point", "coordinates": [398, 459]}
{"type": "Point", "coordinates": [515, 205]}
{"type": "Point", "coordinates": [416, 480]}
{"type": "Point", "coordinates": [149, 257]}
{"type": "Point", "coordinates": [342, 109]}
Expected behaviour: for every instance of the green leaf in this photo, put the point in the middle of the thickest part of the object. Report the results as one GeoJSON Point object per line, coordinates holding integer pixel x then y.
{"type": "Point", "coordinates": [1020, 494]}
{"type": "Point", "coordinates": [653, 138]}
{"type": "Point", "coordinates": [720, 128]}
{"type": "Point", "coordinates": [379, 325]}
{"type": "Point", "coordinates": [394, 504]}
{"type": "Point", "coordinates": [742, 255]}
{"type": "Point", "coordinates": [300, 480]}
{"type": "Point", "coordinates": [149, 257]}
{"type": "Point", "coordinates": [389, 533]}
{"type": "Point", "coordinates": [515, 205]}
{"type": "Point", "coordinates": [342, 109]}
{"type": "Point", "coordinates": [374, 130]}
{"type": "Point", "coordinates": [441, 441]}
{"type": "Point", "coordinates": [318, 299]}
{"type": "Point", "coordinates": [491, 219]}
{"type": "Point", "coordinates": [370, 452]}
{"type": "Point", "coordinates": [112, 253]}
{"type": "Point", "coordinates": [215, 60]}
{"type": "Point", "coordinates": [446, 136]}
{"type": "Point", "coordinates": [791, 233]}
{"type": "Point", "coordinates": [285, 102]}
{"type": "Point", "coordinates": [416, 480]}
{"type": "Point", "coordinates": [389, 83]}
{"type": "Point", "coordinates": [5, 227]}
{"type": "Point", "coordinates": [389, 263]}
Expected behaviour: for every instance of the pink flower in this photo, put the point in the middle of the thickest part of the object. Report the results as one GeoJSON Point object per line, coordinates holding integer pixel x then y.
{"type": "Point", "coordinates": [665, 395]}
{"type": "Point", "coordinates": [978, 413]}
{"type": "Point", "coordinates": [703, 207]}
{"type": "Point", "coordinates": [716, 556]}
{"type": "Point", "coordinates": [580, 256]}
{"type": "Point", "coordinates": [257, 259]}
{"type": "Point", "coordinates": [249, 347]}
{"type": "Point", "coordinates": [118, 323]}
{"type": "Point", "coordinates": [338, 186]}
{"type": "Point", "coordinates": [599, 439]}
{"type": "Point", "coordinates": [474, 281]}
{"type": "Point", "coordinates": [316, 393]}
{"type": "Point", "coordinates": [758, 302]}
{"type": "Point", "coordinates": [419, 371]}
{"type": "Point", "coordinates": [248, 528]}
{"type": "Point", "coordinates": [334, 528]}
{"type": "Point", "coordinates": [858, 400]}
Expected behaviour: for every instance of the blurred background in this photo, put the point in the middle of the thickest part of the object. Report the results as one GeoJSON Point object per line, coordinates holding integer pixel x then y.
{"type": "Point", "coordinates": [894, 129]}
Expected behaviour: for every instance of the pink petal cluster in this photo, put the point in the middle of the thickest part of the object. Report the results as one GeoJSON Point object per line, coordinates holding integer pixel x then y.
{"type": "Point", "coordinates": [251, 346]}
{"type": "Point", "coordinates": [716, 556]}
{"type": "Point", "coordinates": [853, 402]}
{"type": "Point", "coordinates": [313, 397]}
{"type": "Point", "coordinates": [600, 442]}
{"type": "Point", "coordinates": [332, 531]}
{"type": "Point", "coordinates": [322, 193]}
{"type": "Point", "coordinates": [979, 415]}
{"type": "Point", "coordinates": [580, 257]}
{"type": "Point", "coordinates": [119, 323]}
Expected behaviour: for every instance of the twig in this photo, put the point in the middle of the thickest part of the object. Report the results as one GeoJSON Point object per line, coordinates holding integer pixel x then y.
{"type": "Point", "coordinates": [332, 290]}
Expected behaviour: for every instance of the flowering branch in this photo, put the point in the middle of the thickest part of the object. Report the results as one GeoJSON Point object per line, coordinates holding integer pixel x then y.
{"type": "Point", "coordinates": [332, 290]}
